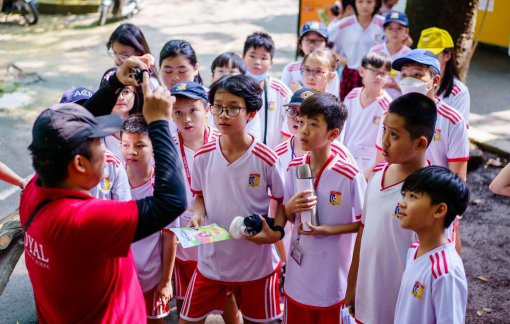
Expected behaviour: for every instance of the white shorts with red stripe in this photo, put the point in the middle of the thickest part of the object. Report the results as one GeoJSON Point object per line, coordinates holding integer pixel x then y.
{"type": "Point", "coordinates": [183, 272]}
{"type": "Point", "coordinates": [258, 300]}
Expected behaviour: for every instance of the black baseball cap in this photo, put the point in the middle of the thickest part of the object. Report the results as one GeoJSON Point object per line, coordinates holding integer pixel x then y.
{"type": "Point", "coordinates": [189, 89]}
{"type": "Point", "coordinates": [62, 128]}
{"type": "Point", "coordinates": [299, 96]}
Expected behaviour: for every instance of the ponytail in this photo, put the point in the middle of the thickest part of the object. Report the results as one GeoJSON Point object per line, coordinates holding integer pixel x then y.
{"type": "Point", "coordinates": [449, 74]}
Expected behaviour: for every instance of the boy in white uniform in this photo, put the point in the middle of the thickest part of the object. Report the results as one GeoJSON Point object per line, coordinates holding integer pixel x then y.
{"type": "Point", "coordinates": [366, 107]}
{"type": "Point", "coordinates": [314, 294]}
{"type": "Point", "coordinates": [231, 177]}
{"type": "Point", "coordinates": [395, 31]}
{"type": "Point", "coordinates": [258, 55]}
{"type": "Point", "coordinates": [154, 255]}
{"type": "Point", "coordinates": [434, 285]}
{"type": "Point", "coordinates": [381, 246]}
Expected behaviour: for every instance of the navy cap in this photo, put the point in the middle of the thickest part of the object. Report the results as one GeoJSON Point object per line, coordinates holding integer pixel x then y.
{"type": "Point", "coordinates": [317, 27]}
{"type": "Point", "coordinates": [419, 55]}
{"type": "Point", "coordinates": [62, 128]}
{"type": "Point", "coordinates": [189, 89]}
{"type": "Point", "coordinates": [76, 94]}
{"type": "Point", "coordinates": [299, 96]}
{"type": "Point", "coordinates": [398, 17]}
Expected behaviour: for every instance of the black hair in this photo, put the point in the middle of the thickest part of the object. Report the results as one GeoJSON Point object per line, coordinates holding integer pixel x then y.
{"type": "Point", "coordinates": [239, 85]}
{"type": "Point", "coordinates": [443, 186]}
{"type": "Point", "coordinates": [377, 60]}
{"type": "Point", "coordinates": [138, 104]}
{"type": "Point", "coordinates": [178, 47]}
{"type": "Point", "coordinates": [328, 105]}
{"type": "Point", "coordinates": [433, 71]}
{"type": "Point", "coordinates": [181, 97]}
{"type": "Point", "coordinates": [259, 39]}
{"type": "Point", "coordinates": [223, 60]}
{"type": "Point", "coordinates": [376, 9]}
{"type": "Point", "coordinates": [419, 113]}
{"type": "Point", "coordinates": [51, 169]}
{"type": "Point", "coordinates": [135, 124]}
{"type": "Point", "coordinates": [450, 73]}
{"type": "Point", "coordinates": [130, 35]}
{"type": "Point", "coordinates": [346, 3]}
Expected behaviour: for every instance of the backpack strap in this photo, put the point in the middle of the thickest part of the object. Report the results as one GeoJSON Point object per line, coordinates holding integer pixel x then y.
{"type": "Point", "coordinates": [31, 218]}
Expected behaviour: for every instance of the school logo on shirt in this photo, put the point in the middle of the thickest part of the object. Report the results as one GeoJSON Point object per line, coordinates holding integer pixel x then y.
{"type": "Point", "coordinates": [437, 135]}
{"type": "Point", "coordinates": [105, 184]}
{"type": "Point", "coordinates": [270, 105]}
{"type": "Point", "coordinates": [254, 180]}
{"type": "Point", "coordinates": [376, 120]}
{"type": "Point", "coordinates": [417, 290]}
{"type": "Point", "coordinates": [377, 38]}
{"type": "Point", "coordinates": [181, 87]}
{"type": "Point", "coordinates": [335, 198]}
{"type": "Point", "coordinates": [397, 210]}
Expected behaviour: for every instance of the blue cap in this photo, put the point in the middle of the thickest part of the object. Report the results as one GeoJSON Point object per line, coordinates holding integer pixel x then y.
{"type": "Point", "coordinates": [419, 55]}
{"type": "Point", "coordinates": [317, 27]}
{"type": "Point", "coordinates": [398, 17]}
{"type": "Point", "coordinates": [299, 96]}
{"type": "Point", "coordinates": [189, 89]}
{"type": "Point", "coordinates": [76, 94]}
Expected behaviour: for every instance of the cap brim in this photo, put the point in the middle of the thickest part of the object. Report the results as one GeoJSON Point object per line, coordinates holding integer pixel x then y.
{"type": "Point", "coordinates": [107, 125]}
{"type": "Point", "coordinates": [293, 104]}
{"type": "Point", "coordinates": [435, 50]}
{"type": "Point", "coordinates": [397, 21]}
{"type": "Point", "coordinates": [323, 34]}
{"type": "Point", "coordinates": [187, 94]}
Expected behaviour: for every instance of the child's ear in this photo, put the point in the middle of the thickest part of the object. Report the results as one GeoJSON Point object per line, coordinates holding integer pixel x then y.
{"type": "Point", "coordinates": [333, 134]}
{"type": "Point", "coordinates": [195, 72]}
{"type": "Point", "coordinates": [361, 71]}
{"type": "Point", "coordinates": [207, 108]}
{"type": "Point", "coordinates": [422, 143]}
{"type": "Point", "coordinates": [440, 211]}
{"type": "Point", "coordinates": [252, 115]}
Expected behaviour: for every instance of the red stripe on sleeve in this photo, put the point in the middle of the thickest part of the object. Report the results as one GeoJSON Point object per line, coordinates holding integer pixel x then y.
{"type": "Point", "coordinates": [433, 272]}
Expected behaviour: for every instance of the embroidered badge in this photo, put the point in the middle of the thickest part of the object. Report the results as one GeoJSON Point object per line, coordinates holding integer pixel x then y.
{"type": "Point", "coordinates": [105, 184]}
{"type": "Point", "coordinates": [397, 210]}
{"type": "Point", "coordinates": [376, 120]}
{"type": "Point", "coordinates": [437, 135]}
{"type": "Point", "coordinates": [254, 180]}
{"type": "Point", "coordinates": [417, 290]}
{"type": "Point", "coordinates": [182, 86]}
{"type": "Point", "coordinates": [335, 198]}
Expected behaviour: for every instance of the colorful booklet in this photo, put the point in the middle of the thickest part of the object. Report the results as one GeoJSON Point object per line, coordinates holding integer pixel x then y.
{"type": "Point", "coordinates": [189, 237]}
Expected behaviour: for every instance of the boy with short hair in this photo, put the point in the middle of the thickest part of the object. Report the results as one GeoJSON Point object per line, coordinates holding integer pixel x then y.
{"type": "Point", "coordinates": [154, 255]}
{"type": "Point", "coordinates": [366, 106]}
{"type": "Point", "coordinates": [378, 260]}
{"type": "Point", "coordinates": [395, 31]}
{"type": "Point", "coordinates": [258, 55]}
{"type": "Point", "coordinates": [339, 190]}
{"type": "Point", "coordinates": [231, 177]}
{"type": "Point", "coordinates": [434, 285]}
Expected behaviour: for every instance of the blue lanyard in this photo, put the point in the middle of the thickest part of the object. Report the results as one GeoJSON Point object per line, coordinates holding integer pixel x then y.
{"type": "Point", "coordinates": [292, 148]}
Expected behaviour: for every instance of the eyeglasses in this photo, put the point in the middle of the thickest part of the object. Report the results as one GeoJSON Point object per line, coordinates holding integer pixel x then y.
{"type": "Point", "coordinates": [226, 72]}
{"type": "Point", "coordinates": [376, 73]}
{"type": "Point", "coordinates": [315, 73]}
{"type": "Point", "coordinates": [118, 57]}
{"type": "Point", "coordinates": [127, 94]}
{"type": "Point", "coordinates": [232, 111]}
{"type": "Point", "coordinates": [313, 41]}
{"type": "Point", "coordinates": [292, 113]}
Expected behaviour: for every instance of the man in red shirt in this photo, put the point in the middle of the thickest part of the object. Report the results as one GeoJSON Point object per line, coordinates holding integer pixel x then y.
{"type": "Point", "coordinates": [77, 248]}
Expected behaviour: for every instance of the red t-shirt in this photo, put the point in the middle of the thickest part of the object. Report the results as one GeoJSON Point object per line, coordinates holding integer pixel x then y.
{"type": "Point", "coordinates": [78, 257]}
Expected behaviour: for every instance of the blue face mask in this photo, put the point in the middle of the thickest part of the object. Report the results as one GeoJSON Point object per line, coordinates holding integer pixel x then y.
{"type": "Point", "coordinates": [259, 78]}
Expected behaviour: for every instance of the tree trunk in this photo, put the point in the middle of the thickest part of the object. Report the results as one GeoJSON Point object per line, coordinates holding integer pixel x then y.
{"type": "Point", "coordinates": [458, 17]}
{"type": "Point", "coordinates": [10, 256]}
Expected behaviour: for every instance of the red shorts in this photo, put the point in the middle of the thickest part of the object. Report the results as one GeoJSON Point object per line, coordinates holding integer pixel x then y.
{"type": "Point", "coordinates": [153, 306]}
{"type": "Point", "coordinates": [183, 271]}
{"type": "Point", "coordinates": [296, 313]}
{"type": "Point", "coordinates": [258, 300]}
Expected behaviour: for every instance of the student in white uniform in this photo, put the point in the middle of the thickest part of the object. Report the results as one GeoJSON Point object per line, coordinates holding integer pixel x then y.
{"type": "Point", "coordinates": [395, 31]}
{"type": "Point", "coordinates": [381, 245]}
{"type": "Point", "coordinates": [315, 294]}
{"type": "Point", "coordinates": [154, 255]}
{"type": "Point", "coordinates": [354, 38]}
{"type": "Point", "coordinates": [314, 35]}
{"type": "Point", "coordinates": [258, 55]}
{"type": "Point", "coordinates": [451, 90]}
{"type": "Point", "coordinates": [366, 107]}
{"type": "Point", "coordinates": [434, 285]}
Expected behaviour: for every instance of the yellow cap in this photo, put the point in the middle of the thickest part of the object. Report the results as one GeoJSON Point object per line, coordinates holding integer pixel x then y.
{"type": "Point", "coordinates": [435, 40]}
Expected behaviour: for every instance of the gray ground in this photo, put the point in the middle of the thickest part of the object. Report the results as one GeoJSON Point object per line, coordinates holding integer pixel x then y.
{"type": "Point", "coordinates": [69, 51]}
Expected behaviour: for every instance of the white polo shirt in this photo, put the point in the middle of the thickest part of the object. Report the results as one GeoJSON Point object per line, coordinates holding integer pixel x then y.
{"type": "Point", "coordinates": [450, 142]}
{"type": "Point", "coordinates": [433, 288]}
{"type": "Point", "coordinates": [394, 93]}
{"type": "Point", "coordinates": [115, 184]}
{"type": "Point", "coordinates": [459, 99]}
{"type": "Point", "coordinates": [340, 190]}
{"type": "Point", "coordinates": [235, 189]}
{"type": "Point", "coordinates": [356, 41]}
{"type": "Point", "coordinates": [362, 126]}
{"type": "Point", "coordinates": [187, 155]}
{"type": "Point", "coordinates": [292, 72]}
{"type": "Point", "coordinates": [383, 251]}
{"type": "Point", "coordinates": [148, 251]}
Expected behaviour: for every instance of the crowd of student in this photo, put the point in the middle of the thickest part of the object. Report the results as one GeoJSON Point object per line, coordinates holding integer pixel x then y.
{"type": "Point", "coordinates": [386, 141]}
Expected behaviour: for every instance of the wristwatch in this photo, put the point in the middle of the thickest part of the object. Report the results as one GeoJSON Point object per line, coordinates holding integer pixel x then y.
{"type": "Point", "coordinates": [21, 183]}
{"type": "Point", "coordinates": [280, 229]}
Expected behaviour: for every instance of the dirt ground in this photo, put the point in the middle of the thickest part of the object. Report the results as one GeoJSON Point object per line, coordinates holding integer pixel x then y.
{"type": "Point", "coordinates": [485, 234]}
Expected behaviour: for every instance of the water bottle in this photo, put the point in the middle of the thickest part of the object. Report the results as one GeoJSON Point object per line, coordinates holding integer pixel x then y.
{"type": "Point", "coordinates": [304, 182]}
{"type": "Point", "coordinates": [248, 226]}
